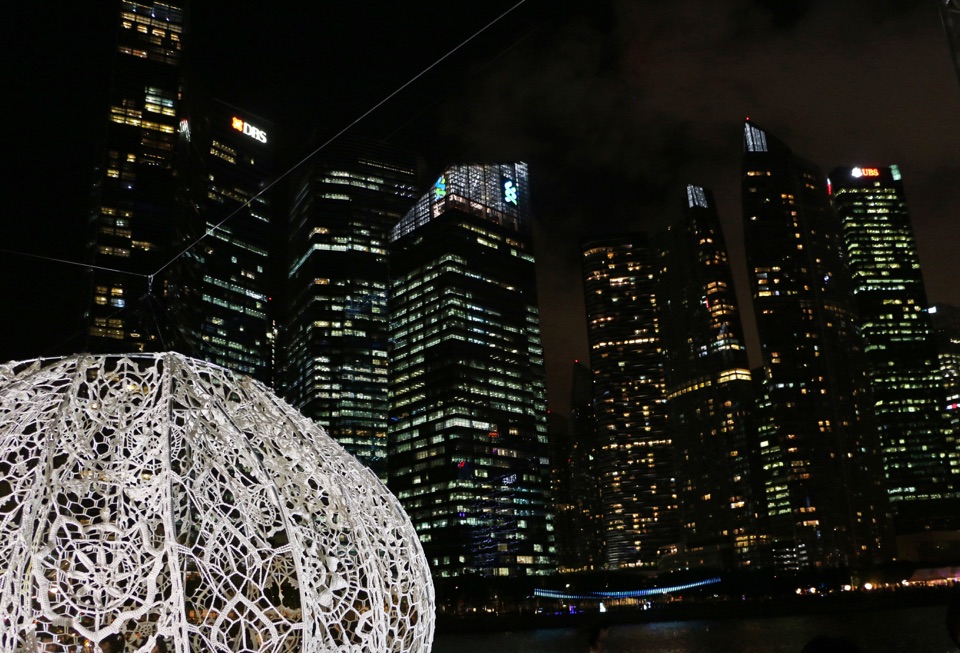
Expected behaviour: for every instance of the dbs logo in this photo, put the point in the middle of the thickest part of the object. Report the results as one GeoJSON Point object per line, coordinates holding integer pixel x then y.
{"type": "Point", "coordinates": [248, 129]}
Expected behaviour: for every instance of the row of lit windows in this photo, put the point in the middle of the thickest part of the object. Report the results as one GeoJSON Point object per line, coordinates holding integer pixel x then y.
{"type": "Point", "coordinates": [226, 285]}
{"type": "Point", "coordinates": [129, 117]}
{"type": "Point", "coordinates": [234, 307]}
{"type": "Point", "coordinates": [224, 235]}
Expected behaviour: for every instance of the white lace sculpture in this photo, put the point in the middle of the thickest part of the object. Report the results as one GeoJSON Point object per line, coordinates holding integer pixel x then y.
{"type": "Point", "coordinates": [159, 495]}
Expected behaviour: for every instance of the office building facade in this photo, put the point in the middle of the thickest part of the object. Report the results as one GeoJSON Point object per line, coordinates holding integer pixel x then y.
{"type": "Point", "coordinates": [816, 389]}
{"type": "Point", "coordinates": [576, 494]}
{"type": "Point", "coordinates": [945, 319]}
{"type": "Point", "coordinates": [218, 292]}
{"type": "Point", "coordinates": [919, 452]}
{"type": "Point", "coordinates": [633, 450]}
{"type": "Point", "coordinates": [133, 203]}
{"type": "Point", "coordinates": [336, 330]}
{"type": "Point", "coordinates": [708, 389]}
{"type": "Point", "coordinates": [468, 442]}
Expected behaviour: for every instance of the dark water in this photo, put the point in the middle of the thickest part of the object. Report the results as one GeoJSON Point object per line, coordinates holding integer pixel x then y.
{"type": "Point", "coordinates": [905, 630]}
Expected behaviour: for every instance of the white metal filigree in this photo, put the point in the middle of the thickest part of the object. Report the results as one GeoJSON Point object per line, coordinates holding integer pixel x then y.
{"type": "Point", "coordinates": [158, 495]}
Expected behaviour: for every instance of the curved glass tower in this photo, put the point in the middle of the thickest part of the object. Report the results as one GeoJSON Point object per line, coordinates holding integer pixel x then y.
{"type": "Point", "coordinates": [821, 453]}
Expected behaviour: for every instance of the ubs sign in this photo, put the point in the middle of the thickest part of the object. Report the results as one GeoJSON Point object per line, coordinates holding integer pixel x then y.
{"type": "Point", "coordinates": [248, 129]}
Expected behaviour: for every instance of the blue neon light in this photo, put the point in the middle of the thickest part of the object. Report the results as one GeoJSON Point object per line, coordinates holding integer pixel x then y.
{"type": "Point", "coordinates": [630, 594]}
{"type": "Point", "coordinates": [440, 188]}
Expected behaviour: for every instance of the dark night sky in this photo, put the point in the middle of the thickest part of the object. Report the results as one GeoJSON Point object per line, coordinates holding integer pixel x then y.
{"type": "Point", "coordinates": [615, 105]}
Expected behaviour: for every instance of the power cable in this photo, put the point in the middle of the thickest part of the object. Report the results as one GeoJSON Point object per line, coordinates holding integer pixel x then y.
{"type": "Point", "coordinates": [211, 230]}
{"type": "Point", "coordinates": [291, 169]}
{"type": "Point", "coordinates": [75, 263]}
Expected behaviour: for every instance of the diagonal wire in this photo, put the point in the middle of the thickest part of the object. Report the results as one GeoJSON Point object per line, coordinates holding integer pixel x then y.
{"type": "Point", "coordinates": [340, 133]}
{"type": "Point", "coordinates": [68, 262]}
{"type": "Point", "coordinates": [290, 170]}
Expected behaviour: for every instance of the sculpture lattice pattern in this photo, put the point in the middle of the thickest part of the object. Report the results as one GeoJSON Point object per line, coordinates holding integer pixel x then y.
{"type": "Point", "coordinates": [159, 495]}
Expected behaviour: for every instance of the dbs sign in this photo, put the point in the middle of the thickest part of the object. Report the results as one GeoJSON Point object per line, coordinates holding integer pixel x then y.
{"type": "Point", "coordinates": [248, 129]}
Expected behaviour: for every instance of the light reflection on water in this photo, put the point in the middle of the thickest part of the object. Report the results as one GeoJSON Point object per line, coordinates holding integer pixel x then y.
{"type": "Point", "coordinates": [911, 630]}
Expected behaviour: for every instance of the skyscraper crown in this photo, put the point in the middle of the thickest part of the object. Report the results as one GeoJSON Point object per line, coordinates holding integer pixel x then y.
{"type": "Point", "coordinates": [496, 192]}
{"type": "Point", "coordinates": [754, 138]}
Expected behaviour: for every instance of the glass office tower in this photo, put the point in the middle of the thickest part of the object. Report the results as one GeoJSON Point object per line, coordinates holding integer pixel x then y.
{"type": "Point", "coordinates": [579, 530]}
{"type": "Point", "coordinates": [218, 290]}
{"type": "Point", "coordinates": [816, 387]}
{"type": "Point", "coordinates": [336, 339]}
{"type": "Point", "coordinates": [633, 450]}
{"type": "Point", "coordinates": [133, 207]}
{"type": "Point", "coordinates": [468, 444]}
{"type": "Point", "coordinates": [900, 346]}
{"type": "Point", "coordinates": [708, 388]}
{"type": "Point", "coordinates": [945, 319]}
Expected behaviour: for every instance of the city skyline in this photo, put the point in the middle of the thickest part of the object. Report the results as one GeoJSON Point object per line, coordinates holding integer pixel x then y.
{"type": "Point", "coordinates": [612, 106]}
{"type": "Point", "coordinates": [457, 312]}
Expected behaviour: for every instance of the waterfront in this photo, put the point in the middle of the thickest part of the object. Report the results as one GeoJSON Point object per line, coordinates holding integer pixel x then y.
{"type": "Point", "coordinates": [902, 630]}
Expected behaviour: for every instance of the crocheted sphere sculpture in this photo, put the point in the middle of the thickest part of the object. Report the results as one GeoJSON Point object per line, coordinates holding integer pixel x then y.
{"type": "Point", "coordinates": [156, 496]}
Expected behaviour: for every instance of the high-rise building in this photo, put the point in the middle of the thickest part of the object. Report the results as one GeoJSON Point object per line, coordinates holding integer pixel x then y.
{"type": "Point", "coordinates": [820, 414]}
{"type": "Point", "coordinates": [468, 443]}
{"type": "Point", "coordinates": [946, 329]}
{"type": "Point", "coordinates": [708, 389]}
{"type": "Point", "coordinates": [633, 451]}
{"type": "Point", "coordinates": [336, 331]}
{"type": "Point", "coordinates": [133, 207]}
{"type": "Point", "coordinates": [945, 320]}
{"type": "Point", "coordinates": [579, 532]}
{"type": "Point", "coordinates": [219, 287]}
{"type": "Point", "coordinates": [900, 347]}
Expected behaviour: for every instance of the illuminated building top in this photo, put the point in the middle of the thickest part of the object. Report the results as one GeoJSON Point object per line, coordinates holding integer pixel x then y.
{"type": "Point", "coordinates": [496, 192]}
{"type": "Point", "coordinates": [754, 138]}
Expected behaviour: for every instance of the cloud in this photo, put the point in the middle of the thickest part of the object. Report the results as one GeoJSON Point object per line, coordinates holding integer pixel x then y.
{"type": "Point", "coordinates": [616, 106]}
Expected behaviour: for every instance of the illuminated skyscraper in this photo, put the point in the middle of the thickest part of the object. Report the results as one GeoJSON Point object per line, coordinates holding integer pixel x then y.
{"type": "Point", "coordinates": [826, 473]}
{"type": "Point", "coordinates": [468, 441]}
{"type": "Point", "coordinates": [132, 216]}
{"type": "Point", "coordinates": [633, 450]}
{"type": "Point", "coordinates": [946, 328]}
{"type": "Point", "coordinates": [708, 388]}
{"type": "Point", "coordinates": [919, 453]}
{"type": "Point", "coordinates": [218, 290]}
{"type": "Point", "coordinates": [336, 333]}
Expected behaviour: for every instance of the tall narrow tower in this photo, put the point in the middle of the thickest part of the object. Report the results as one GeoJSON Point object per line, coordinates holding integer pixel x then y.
{"type": "Point", "coordinates": [816, 387]}
{"type": "Point", "coordinates": [336, 330]}
{"type": "Point", "coordinates": [468, 443]}
{"type": "Point", "coordinates": [218, 289]}
{"type": "Point", "coordinates": [634, 452]}
{"type": "Point", "coordinates": [579, 532]}
{"type": "Point", "coordinates": [919, 452]}
{"type": "Point", "coordinates": [132, 215]}
{"type": "Point", "coordinates": [708, 388]}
